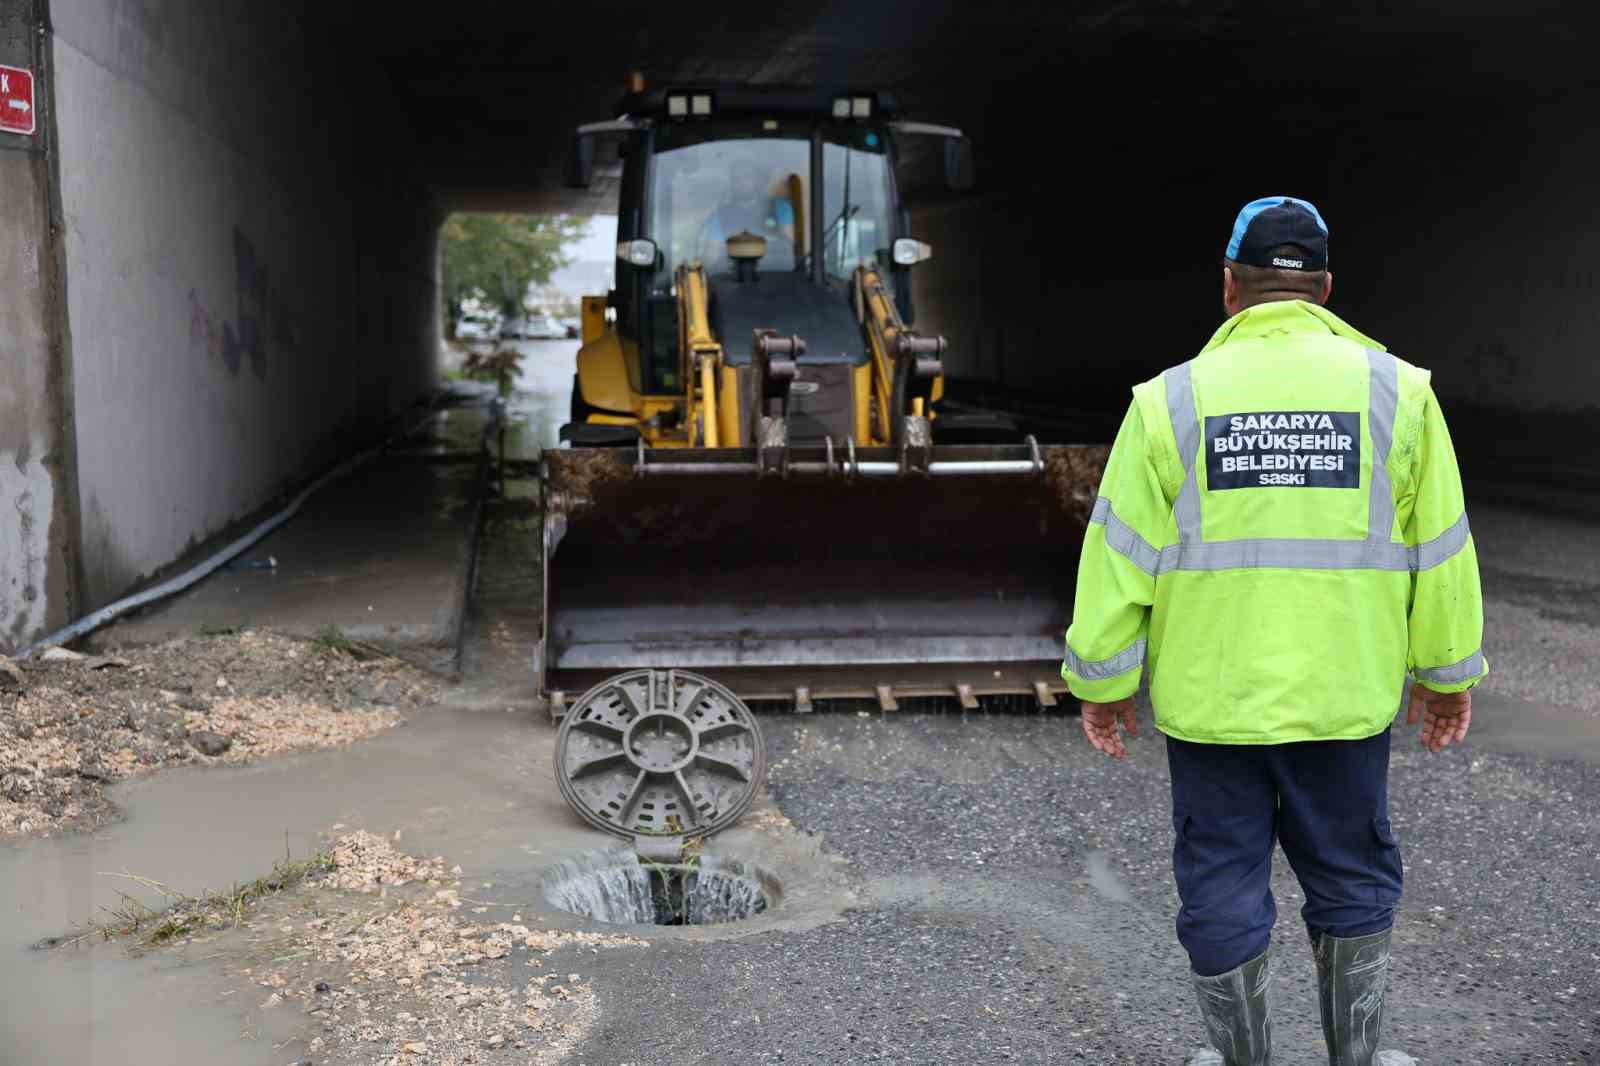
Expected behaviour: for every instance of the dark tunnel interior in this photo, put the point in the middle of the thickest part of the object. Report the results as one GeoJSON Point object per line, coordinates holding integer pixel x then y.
{"type": "Point", "coordinates": [1444, 142]}
{"type": "Point", "coordinates": [250, 195]}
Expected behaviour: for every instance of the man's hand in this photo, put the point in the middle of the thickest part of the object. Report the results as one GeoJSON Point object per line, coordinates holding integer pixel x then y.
{"type": "Point", "coordinates": [1445, 716]}
{"type": "Point", "coordinates": [1100, 725]}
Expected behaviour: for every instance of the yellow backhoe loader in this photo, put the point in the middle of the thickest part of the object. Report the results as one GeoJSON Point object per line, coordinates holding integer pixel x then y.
{"type": "Point", "coordinates": [761, 482]}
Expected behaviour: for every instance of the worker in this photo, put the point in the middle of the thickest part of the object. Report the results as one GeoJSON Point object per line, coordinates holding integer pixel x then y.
{"type": "Point", "coordinates": [1280, 535]}
{"type": "Point", "coordinates": [749, 208]}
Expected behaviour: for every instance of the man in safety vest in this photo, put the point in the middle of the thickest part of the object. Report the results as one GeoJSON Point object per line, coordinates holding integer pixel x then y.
{"type": "Point", "coordinates": [1280, 536]}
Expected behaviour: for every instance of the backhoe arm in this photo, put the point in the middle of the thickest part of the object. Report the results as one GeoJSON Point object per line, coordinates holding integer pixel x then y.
{"type": "Point", "coordinates": [703, 355]}
{"type": "Point", "coordinates": [907, 368]}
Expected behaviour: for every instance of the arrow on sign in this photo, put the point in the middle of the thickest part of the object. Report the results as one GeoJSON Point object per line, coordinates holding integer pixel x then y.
{"type": "Point", "coordinates": [17, 104]}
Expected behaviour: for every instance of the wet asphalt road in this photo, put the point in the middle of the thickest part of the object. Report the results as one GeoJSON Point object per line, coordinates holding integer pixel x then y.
{"type": "Point", "coordinates": [1017, 900]}
{"type": "Point", "coordinates": [1021, 910]}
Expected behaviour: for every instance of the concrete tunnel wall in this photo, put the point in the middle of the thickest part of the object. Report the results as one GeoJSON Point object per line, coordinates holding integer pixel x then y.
{"type": "Point", "coordinates": [37, 513]}
{"type": "Point", "coordinates": [32, 438]}
{"type": "Point", "coordinates": [247, 295]}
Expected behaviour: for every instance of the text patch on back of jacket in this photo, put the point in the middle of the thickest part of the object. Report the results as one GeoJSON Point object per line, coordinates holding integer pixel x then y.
{"type": "Point", "coordinates": [1260, 449]}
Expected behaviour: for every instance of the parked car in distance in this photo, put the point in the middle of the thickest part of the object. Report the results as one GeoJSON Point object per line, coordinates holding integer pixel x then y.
{"type": "Point", "coordinates": [572, 326]}
{"type": "Point", "coordinates": [545, 326]}
{"type": "Point", "coordinates": [477, 328]}
{"type": "Point", "coordinates": [514, 327]}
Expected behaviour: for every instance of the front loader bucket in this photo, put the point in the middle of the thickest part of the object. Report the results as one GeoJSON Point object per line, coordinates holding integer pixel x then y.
{"type": "Point", "coordinates": [831, 576]}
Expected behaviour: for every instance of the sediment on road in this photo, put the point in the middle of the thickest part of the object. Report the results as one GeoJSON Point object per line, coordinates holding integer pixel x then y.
{"type": "Point", "coordinates": [384, 957]}
{"type": "Point", "coordinates": [70, 725]}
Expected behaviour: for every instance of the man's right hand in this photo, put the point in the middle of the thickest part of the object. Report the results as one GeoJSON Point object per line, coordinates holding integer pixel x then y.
{"type": "Point", "coordinates": [1445, 716]}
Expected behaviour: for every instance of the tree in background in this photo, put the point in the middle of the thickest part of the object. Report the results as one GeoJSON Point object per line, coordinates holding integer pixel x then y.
{"type": "Point", "coordinates": [499, 256]}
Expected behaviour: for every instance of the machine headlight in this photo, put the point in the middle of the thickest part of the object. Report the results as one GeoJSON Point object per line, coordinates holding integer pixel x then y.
{"type": "Point", "coordinates": [700, 104]}
{"type": "Point", "coordinates": [678, 105]}
{"type": "Point", "coordinates": [841, 107]}
{"type": "Point", "coordinates": [861, 107]}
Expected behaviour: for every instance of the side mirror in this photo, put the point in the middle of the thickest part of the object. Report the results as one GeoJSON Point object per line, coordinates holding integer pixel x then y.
{"type": "Point", "coordinates": [580, 163]}
{"type": "Point", "coordinates": [958, 163]}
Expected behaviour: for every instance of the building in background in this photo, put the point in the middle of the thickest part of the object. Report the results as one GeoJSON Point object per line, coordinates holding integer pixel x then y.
{"type": "Point", "coordinates": [591, 272]}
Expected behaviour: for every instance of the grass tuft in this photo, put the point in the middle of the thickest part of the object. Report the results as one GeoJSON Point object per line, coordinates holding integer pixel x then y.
{"type": "Point", "coordinates": [330, 640]}
{"type": "Point", "coordinates": [184, 914]}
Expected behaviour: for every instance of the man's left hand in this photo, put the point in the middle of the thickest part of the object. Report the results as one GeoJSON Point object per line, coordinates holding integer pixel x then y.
{"type": "Point", "coordinates": [1100, 725]}
{"type": "Point", "coordinates": [1445, 716]}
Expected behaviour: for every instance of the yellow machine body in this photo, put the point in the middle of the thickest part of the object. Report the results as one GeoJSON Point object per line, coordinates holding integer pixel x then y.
{"type": "Point", "coordinates": [609, 374]}
{"type": "Point", "coordinates": [763, 482]}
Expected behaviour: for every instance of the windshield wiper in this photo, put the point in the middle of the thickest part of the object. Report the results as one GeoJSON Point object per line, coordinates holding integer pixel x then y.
{"type": "Point", "coordinates": [842, 223]}
{"type": "Point", "coordinates": [846, 213]}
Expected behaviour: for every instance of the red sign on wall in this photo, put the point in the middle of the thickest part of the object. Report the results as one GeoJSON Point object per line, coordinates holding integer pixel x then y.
{"type": "Point", "coordinates": [16, 100]}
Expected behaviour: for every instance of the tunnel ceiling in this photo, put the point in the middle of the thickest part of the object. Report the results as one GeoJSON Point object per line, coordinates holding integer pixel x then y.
{"type": "Point", "coordinates": [477, 99]}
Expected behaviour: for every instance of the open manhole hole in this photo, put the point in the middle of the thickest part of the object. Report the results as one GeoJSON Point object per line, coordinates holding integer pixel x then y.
{"type": "Point", "coordinates": [617, 887]}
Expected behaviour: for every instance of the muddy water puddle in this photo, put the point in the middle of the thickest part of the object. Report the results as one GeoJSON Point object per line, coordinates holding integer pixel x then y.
{"type": "Point", "coordinates": [470, 780]}
{"type": "Point", "coordinates": [452, 783]}
{"type": "Point", "coordinates": [474, 786]}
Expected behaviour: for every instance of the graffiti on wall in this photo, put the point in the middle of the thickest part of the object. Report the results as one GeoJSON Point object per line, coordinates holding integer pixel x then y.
{"type": "Point", "coordinates": [245, 336]}
{"type": "Point", "coordinates": [258, 305]}
{"type": "Point", "coordinates": [203, 330]}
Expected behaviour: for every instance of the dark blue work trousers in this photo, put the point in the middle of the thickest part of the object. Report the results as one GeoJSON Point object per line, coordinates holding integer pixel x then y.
{"type": "Point", "coordinates": [1325, 801]}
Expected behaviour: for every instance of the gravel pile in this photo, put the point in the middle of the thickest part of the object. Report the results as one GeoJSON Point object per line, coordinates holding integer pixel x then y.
{"type": "Point", "coordinates": [366, 862]}
{"type": "Point", "coordinates": [72, 724]}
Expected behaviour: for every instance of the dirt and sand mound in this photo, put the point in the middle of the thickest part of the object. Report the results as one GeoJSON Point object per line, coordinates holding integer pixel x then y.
{"type": "Point", "coordinates": [71, 724]}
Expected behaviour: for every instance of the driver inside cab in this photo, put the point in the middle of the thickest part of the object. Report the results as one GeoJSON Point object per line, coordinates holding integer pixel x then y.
{"type": "Point", "coordinates": [750, 208]}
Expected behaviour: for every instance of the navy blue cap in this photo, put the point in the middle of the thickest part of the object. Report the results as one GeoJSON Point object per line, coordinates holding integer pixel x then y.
{"type": "Point", "coordinates": [1274, 221]}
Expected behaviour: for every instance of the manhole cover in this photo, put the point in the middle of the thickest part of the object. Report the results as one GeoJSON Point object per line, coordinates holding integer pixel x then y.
{"type": "Point", "coordinates": [615, 886]}
{"type": "Point", "coordinates": [660, 753]}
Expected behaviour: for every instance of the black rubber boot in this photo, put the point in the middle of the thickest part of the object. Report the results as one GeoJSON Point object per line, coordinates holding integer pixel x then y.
{"type": "Point", "coordinates": [1234, 1007]}
{"type": "Point", "coordinates": [1353, 989]}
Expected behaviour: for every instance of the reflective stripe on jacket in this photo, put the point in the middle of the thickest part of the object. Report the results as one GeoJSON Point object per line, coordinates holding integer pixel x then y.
{"type": "Point", "coordinates": [1281, 535]}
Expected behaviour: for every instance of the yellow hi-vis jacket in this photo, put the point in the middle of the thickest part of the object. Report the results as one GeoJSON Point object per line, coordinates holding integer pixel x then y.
{"type": "Point", "coordinates": [1281, 534]}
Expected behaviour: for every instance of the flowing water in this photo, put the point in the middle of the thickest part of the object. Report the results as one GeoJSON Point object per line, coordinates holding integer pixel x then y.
{"type": "Point", "coordinates": [614, 886]}
{"type": "Point", "coordinates": [726, 891]}
{"type": "Point", "coordinates": [608, 886]}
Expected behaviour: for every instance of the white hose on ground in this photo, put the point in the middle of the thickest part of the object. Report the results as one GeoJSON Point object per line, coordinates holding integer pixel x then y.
{"type": "Point", "coordinates": [89, 623]}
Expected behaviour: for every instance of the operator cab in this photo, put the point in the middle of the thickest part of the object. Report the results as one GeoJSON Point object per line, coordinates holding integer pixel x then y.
{"type": "Point", "coordinates": [809, 171]}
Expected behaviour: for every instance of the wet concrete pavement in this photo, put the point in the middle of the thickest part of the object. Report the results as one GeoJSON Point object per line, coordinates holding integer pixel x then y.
{"type": "Point", "coordinates": [959, 888]}
{"type": "Point", "coordinates": [383, 553]}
